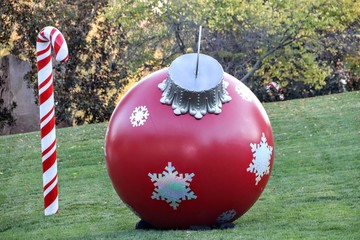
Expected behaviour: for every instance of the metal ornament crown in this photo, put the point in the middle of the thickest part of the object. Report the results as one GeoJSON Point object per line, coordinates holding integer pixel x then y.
{"type": "Point", "coordinates": [195, 91]}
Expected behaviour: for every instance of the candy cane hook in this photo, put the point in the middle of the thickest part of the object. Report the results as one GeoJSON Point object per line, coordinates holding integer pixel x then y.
{"type": "Point", "coordinates": [49, 36]}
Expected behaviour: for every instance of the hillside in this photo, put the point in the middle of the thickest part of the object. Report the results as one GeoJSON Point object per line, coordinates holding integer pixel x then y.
{"type": "Point", "coordinates": [313, 192]}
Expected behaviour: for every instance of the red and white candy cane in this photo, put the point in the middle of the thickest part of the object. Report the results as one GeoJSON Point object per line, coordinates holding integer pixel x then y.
{"type": "Point", "coordinates": [49, 36]}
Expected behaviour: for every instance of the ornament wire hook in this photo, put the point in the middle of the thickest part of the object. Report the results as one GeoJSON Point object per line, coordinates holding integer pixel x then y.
{"type": "Point", "coordinates": [198, 53]}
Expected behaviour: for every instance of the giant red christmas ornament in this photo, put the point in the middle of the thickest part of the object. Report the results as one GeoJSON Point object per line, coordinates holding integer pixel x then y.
{"type": "Point", "coordinates": [189, 145]}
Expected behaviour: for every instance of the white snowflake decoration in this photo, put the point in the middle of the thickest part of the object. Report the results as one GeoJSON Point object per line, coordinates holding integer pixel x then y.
{"type": "Point", "coordinates": [226, 217]}
{"type": "Point", "coordinates": [260, 164]}
{"type": "Point", "coordinates": [139, 116]}
{"type": "Point", "coordinates": [171, 186]}
{"type": "Point", "coordinates": [244, 93]}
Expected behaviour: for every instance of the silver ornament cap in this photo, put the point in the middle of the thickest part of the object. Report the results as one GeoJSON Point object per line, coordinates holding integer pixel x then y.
{"type": "Point", "coordinates": [195, 85]}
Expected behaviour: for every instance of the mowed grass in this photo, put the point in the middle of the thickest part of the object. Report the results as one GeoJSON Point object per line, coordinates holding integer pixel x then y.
{"type": "Point", "coordinates": [313, 192]}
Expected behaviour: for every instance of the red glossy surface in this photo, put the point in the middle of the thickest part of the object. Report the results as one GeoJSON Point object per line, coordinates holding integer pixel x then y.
{"type": "Point", "coordinates": [216, 149]}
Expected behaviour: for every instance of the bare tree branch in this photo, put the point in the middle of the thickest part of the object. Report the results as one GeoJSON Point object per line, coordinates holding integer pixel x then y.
{"type": "Point", "coordinates": [285, 41]}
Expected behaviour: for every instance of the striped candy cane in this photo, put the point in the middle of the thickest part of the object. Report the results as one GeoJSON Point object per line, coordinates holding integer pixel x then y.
{"type": "Point", "coordinates": [49, 36]}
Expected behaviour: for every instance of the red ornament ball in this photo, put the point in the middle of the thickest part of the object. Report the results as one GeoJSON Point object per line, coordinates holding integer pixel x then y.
{"type": "Point", "coordinates": [182, 154]}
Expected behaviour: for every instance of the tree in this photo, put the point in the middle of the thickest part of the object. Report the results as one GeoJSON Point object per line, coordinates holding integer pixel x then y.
{"type": "Point", "coordinates": [87, 85]}
{"type": "Point", "coordinates": [256, 41]}
{"type": "Point", "coordinates": [295, 43]}
{"type": "Point", "coordinates": [6, 116]}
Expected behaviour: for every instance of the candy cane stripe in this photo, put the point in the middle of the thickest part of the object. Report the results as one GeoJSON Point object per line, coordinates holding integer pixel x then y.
{"type": "Point", "coordinates": [41, 37]}
{"type": "Point", "coordinates": [51, 195]}
{"type": "Point", "coordinates": [45, 84]}
{"type": "Point", "coordinates": [47, 118]}
{"type": "Point", "coordinates": [46, 129]}
{"type": "Point", "coordinates": [50, 185]}
{"type": "Point", "coordinates": [52, 208]}
{"type": "Point", "coordinates": [46, 106]}
{"type": "Point", "coordinates": [44, 62]}
{"type": "Point", "coordinates": [62, 57]}
{"type": "Point", "coordinates": [42, 46]}
{"type": "Point", "coordinates": [45, 72]}
{"type": "Point", "coordinates": [49, 36]}
{"type": "Point", "coordinates": [43, 49]}
{"type": "Point", "coordinates": [56, 42]}
{"type": "Point", "coordinates": [45, 95]}
{"type": "Point", "coordinates": [47, 152]}
{"type": "Point", "coordinates": [49, 162]}
{"type": "Point", "coordinates": [52, 35]}
{"type": "Point", "coordinates": [43, 53]}
{"type": "Point", "coordinates": [41, 40]}
{"type": "Point", "coordinates": [48, 139]}
{"type": "Point", "coordinates": [51, 158]}
{"type": "Point", "coordinates": [50, 174]}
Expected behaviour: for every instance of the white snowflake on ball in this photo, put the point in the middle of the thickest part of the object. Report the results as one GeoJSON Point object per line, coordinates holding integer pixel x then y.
{"type": "Point", "coordinates": [244, 92]}
{"type": "Point", "coordinates": [172, 187]}
{"type": "Point", "coordinates": [260, 164]}
{"type": "Point", "coordinates": [226, 217]}
{"type": "Point", "coordinates": [139, 116]}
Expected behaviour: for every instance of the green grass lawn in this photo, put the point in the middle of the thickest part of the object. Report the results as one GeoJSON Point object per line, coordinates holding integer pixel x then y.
{"type": "Point", "coordinates": [313, 192]}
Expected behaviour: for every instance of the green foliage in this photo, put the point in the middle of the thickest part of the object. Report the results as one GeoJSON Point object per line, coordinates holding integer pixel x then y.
{"type": "Point", "coordinates": [86, 87]}
{"type": "Point", "coordinates": [313, 192]}
{"type": "Point", "coordinates": [157, 31]}
{"type": "Point", "coordinates": [299, 67]}
{"type": "Point", "coordinates": [278, 40]}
